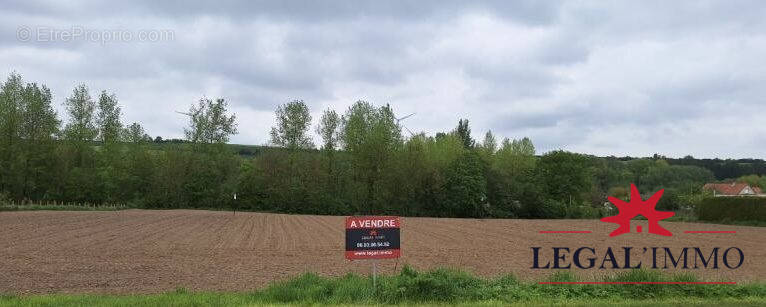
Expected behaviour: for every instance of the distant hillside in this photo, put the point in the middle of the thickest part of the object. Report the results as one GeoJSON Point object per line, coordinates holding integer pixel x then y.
{"type": "Point", "coordinates": [721, 168]}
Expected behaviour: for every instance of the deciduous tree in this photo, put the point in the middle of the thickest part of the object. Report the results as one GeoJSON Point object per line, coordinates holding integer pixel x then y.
{"type": "Point", "coordinates": [108, 119]}
{"type": "Point", "coordinates": [464, 132]}
{"type": "Point", "coordinates": [329, 129]}
{"type": "Point", "coordinates": [371, 136]}
{"type": "Point", "coordinates": [293, 123]}
{"type": "Point", "coordinates": [81, 127]}
{"type": "Point", "coordinates": [209, 122]}
{"type": "Point", "coordinates": [135, 134]}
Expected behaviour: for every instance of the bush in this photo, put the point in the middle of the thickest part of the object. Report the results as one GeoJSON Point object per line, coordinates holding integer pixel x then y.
{"type": "Point", "coordinates": [552, 209]}
{"type": "Point", "coordinates": [466, 187]}
{"type": "Point", "coordinates": [732, 209]}
{"type": "Point", "coordinates": [586, 212]}
{"type": "Point", "coordinates": [437, 285]}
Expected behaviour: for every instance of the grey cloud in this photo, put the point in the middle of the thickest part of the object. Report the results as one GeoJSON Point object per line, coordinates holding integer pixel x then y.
{"type": "Point", "coordinates": [511, 122]}
{"type": "Point", "coordinates": [524, 11]}
{"type": "Point", "coordinates": [585, 76]}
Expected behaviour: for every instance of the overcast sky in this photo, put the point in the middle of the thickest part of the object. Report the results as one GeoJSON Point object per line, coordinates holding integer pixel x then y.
{"type": "Point", "coordinates": [598, 77]}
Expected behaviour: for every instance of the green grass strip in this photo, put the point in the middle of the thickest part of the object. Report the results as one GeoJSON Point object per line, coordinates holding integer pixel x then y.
{"type": "Point", "coordinates": [436, 287]}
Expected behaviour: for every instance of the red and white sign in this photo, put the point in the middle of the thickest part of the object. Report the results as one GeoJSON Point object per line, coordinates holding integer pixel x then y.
{"type": "Point", "coordinates": [372, 237]}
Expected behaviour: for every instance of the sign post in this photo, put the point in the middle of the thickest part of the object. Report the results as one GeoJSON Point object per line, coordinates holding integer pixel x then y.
{"type": "Point", "coordinates": [372, 237]}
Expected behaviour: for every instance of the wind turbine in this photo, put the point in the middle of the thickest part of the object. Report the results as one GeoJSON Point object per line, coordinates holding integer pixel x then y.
{"type": "Point", "coordinates": [405, 127]}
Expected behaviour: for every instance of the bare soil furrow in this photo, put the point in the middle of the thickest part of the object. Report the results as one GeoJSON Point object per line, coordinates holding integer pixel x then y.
{"type": "Point", "coordinates": [149, 251]}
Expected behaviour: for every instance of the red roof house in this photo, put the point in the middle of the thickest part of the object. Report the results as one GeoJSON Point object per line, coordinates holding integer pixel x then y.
{"type": "Point", "coordinates": [732, 189]}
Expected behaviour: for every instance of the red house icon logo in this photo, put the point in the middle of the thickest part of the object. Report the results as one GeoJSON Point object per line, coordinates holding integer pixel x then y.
{"type": "Point", "coordinates": [636, 207]}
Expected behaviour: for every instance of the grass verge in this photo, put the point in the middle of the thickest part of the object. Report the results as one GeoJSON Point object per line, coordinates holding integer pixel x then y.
{"type": "Point", "coordinates": [436, 287]}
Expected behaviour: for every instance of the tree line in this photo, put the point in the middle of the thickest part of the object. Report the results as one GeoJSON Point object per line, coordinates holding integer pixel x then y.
{"type": "Point", "coordinates": [364, 164]}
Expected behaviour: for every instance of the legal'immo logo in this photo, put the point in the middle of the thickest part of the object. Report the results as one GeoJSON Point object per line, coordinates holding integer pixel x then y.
{"type": "Point", "coordinates": [636, 207]}
{"type": "Point", "coordinates": [636, 257]}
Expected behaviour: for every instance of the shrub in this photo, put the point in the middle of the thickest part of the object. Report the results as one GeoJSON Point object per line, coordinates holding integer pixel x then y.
{"type": "Point", "coordinates": [586, 212]}
{"type": "Point", "coordinates": [466, 187]}
{"type": "Point", "coordinates": [732, 209]}
{"type": "Point", "coordinates": [552, 208]}
{"type": "Point", "coordinates": [437, 285]}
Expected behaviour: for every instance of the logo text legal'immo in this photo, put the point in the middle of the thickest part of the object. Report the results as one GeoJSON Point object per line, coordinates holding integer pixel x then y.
{"type": "Point", "coordinates": [629, 257]}
{"type": "Point", "coordinates": [636, 258]}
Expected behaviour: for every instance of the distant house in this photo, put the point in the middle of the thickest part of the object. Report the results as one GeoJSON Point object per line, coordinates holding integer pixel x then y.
{"type": "Point", "coordinates": [733, 189]}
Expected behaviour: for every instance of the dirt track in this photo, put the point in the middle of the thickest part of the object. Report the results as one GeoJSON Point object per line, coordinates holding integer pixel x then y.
{"type": "Point", "coordinates": [141, 251]}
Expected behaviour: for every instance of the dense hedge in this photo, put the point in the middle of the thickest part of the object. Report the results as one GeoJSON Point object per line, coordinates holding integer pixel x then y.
{"type": "Point", "coordinates": [365, 165]}
{"type": "Point", "coordinates": [732, 209]}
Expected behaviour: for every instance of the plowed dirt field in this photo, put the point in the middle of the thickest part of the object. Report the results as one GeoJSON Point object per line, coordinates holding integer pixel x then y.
{"type": "Point", "coordinates": [146, 251]}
